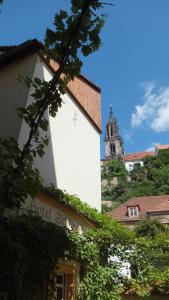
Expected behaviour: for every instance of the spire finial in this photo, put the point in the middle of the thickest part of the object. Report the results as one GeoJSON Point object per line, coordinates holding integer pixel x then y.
{"type": "Point", "coordinates": [111, 117]}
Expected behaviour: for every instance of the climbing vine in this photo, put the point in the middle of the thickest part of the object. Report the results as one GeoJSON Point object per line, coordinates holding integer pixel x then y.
{"type": "Point", "coordinates": [30, 249]}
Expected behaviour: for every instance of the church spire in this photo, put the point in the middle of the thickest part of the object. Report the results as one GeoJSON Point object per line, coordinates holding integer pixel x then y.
{"type": "Point", "coordinates": [111, 117]}
{"type": "Point", "coordinates": [113, 141]}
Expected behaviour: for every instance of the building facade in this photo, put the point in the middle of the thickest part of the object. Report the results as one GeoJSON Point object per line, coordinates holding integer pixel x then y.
{"type": "Point", "coordinates": [72, 158]}
{"type": "Point", "coordinates": [58, 212]}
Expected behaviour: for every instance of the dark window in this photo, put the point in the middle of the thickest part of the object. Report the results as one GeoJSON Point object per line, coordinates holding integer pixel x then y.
{"type": "Point", "coordinates": [111, 131]}
{"type": "Point", "coordinates": [60, 287]}
{"type": "Point", "coordinates": [111, 148]}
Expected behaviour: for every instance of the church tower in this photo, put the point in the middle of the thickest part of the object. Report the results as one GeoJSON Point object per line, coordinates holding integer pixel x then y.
{"type": "Point", "coordinates": [113, 141]}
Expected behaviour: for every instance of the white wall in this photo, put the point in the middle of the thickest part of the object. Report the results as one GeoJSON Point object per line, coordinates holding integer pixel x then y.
{"type": "Point", "coordinates": [76, 149]}
{"type": "Point", "coordinates": [76, 146]}
{"type": "Point", "coordinates": [72, 159]}
{"type": "Point", "coordinates": [130, 164]}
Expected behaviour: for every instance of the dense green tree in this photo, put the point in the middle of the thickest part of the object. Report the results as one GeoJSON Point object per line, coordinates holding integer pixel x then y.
{"type": "Point", "coordinates": [147, 180]}
{"type": "Point", "coordinates": [150, 228]}
{"type": "Point", "coordinates": [138, 173]}
{"type": "Point", "coordinates": [113, 168]}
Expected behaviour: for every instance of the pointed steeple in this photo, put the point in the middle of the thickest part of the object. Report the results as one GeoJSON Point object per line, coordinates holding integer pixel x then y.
{"type": "Point", "coordinates": [111, 116]}
{"type": "Point", "coordinates": [113, 140]}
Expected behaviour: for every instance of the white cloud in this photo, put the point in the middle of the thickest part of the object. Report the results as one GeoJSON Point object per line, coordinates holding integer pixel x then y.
{"type": "Point", "coordinates": [127, 134]}
{"type": "Point", "coordinates": [155, 108]}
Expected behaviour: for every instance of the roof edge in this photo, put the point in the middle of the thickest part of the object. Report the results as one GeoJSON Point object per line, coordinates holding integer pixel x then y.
{"type": "Point", "coordinates": [15, 53]}
{"type": "Point", "coordinates": [36, 45]}
{"type": "Point", "coordinates": [73, 96]}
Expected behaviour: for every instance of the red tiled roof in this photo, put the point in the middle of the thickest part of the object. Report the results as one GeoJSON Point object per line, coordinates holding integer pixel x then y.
{"type": "Point", "coordinates": [161, 147]}
{"type": "Point", "coordinates": [148, 204]}
{"type": "Point", "coordinates": [137, 156]}
{"type": "Point", "coordinates": [86, 95]}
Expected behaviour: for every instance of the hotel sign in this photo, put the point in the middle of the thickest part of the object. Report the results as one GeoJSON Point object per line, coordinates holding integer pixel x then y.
{"type": "Point", "coordinates": [52, 214]}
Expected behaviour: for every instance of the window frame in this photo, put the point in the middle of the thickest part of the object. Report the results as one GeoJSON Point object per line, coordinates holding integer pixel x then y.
{"type": "Point", "coordinates": [133, 211]}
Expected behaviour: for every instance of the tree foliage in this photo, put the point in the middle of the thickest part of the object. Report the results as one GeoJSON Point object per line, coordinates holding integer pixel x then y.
{"type": "Point", "coordinates": [100, 277]}
{"type": "Point", "coordinates": [150, 228]}
{"type": "Point", "coordinates": [113, 168]}
{"type": "Point", "coordinates": [147, 180]}
{"type": "Point", "coordinates": [30, 249]}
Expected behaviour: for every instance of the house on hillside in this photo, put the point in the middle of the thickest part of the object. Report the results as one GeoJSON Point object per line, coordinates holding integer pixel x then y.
{"type": "Point", "coordinates": [72, 158]}
{"type": "Point", "coordinates": [136, 209]}
{"type": "Point", "coordinates": [135, 158]}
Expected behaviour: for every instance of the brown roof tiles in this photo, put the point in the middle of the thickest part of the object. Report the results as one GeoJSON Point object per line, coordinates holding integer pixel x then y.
{"type": "Point", "coordinates": [146, 205]}
{"type": "Point", "coordinates": [137, 156]}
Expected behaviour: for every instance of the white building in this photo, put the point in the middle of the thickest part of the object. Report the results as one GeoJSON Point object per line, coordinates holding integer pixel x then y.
{"type": "Point", "coordinates": [135, 158]}
{"type": "Point", "coordinates": [72, 159]}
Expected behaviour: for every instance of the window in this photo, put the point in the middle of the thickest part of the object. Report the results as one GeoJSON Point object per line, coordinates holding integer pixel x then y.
{"type": "Point", "coordinates": [111, 148]}
{"type": "Point", "coordinates": [111, 131]}
{"type": "Point", "coordinates": [133, 211]}
{"type": "Point", "coordinates": [60, 286]}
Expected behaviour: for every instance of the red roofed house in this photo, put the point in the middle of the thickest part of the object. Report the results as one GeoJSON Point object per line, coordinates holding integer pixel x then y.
{"type": "Point", "coordinates": [133, 158]}
{"type": "Point", "coordinates": [136, 209]}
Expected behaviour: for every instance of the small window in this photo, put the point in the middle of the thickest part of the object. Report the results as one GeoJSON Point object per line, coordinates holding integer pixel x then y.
{"type": "Point", "coordinates": [60, 286]}
{"type": "Point", "coordinates": [111, 131]}
{"type": "Point", "coordinates": [133, 211]}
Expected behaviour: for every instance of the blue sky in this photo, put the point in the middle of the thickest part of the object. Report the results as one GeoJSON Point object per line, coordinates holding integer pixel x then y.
{"type": "Point", "coordinates": [131, 67]}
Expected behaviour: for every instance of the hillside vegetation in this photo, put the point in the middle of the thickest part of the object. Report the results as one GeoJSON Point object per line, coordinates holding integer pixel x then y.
{"type": "Point", "coordinates": [151, 179]}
